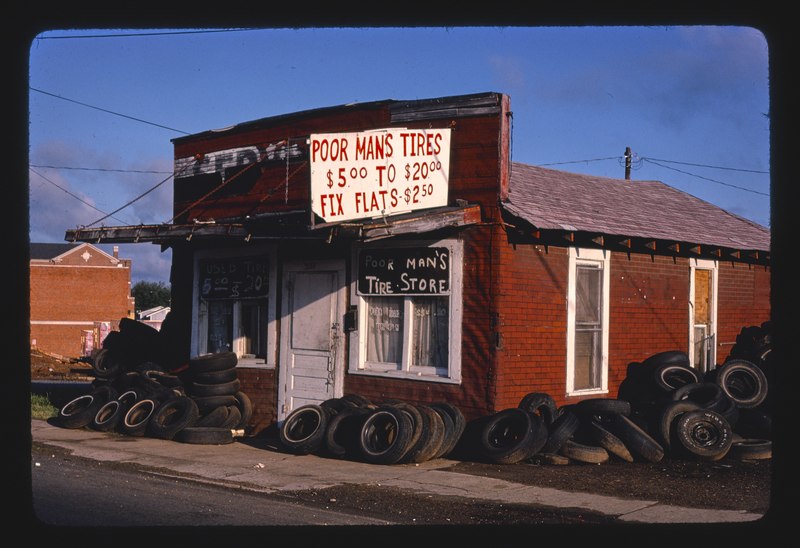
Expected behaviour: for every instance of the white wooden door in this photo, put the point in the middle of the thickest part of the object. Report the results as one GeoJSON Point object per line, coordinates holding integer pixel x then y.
{"type": "Point", "coordinates": [312, 356]}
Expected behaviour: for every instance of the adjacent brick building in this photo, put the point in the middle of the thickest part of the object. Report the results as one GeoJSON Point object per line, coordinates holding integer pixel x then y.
{"type": "Point", "coordinates": [393, 249]}
{"type": "Point", "coordinates": [75, 289]}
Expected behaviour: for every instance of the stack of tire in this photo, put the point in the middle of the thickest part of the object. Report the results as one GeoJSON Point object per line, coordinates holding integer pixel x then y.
{"type": "Point", "coordinates": [212, 383]}
{"type": "Point", "coordinates": [352, 427]}
{"type": "Point", "coordinates": [722, 413]}
{"type": "Point", "coordinates": [138, 391]}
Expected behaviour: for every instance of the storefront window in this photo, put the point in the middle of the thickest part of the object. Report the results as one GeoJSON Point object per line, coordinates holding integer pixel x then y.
{"type": "Point", "coordinates": [410, 303]}
{"type": "Point", "coordinates": [233, 306]}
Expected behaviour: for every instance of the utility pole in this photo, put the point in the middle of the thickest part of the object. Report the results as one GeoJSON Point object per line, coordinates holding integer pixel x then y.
{"type": "Point", "coordinates": [627, 163]}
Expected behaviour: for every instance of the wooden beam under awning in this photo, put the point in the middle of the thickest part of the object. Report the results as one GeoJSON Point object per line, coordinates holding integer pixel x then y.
{"type": "Point", "coordinates": [371, 229]}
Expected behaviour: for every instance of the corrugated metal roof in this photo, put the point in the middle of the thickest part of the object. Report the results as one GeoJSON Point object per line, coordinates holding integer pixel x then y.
{"type": "Point", "coordinates": [552, 199]}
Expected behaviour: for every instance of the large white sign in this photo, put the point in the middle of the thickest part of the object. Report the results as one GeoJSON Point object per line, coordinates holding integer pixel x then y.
{"type": "Point", "coordinates": [377, 173]}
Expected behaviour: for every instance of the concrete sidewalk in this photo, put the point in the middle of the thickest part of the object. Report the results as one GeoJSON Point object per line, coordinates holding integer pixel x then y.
{"type": "Point", "coordinates": [256, 464]}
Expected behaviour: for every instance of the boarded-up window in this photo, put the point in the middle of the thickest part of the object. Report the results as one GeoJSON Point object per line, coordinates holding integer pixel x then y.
{"type": "Point", "coordinates": [702, 296]}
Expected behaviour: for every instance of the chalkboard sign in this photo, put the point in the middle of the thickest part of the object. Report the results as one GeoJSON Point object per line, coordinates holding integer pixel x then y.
{"type": "Point", "coordinates": [404, 271]}
{"type": "Point", "coordinates": [234, 278]}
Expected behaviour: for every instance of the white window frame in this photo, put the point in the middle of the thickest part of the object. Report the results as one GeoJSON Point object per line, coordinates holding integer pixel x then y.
{"type": "Point", "coordinates": [593, 257]}
{"type": "Point", "coordinates": [358, 364]}
{"type": "Point", "coordinates": [713, 266]}
{"type": "Point", "coordinates": [200, 315]}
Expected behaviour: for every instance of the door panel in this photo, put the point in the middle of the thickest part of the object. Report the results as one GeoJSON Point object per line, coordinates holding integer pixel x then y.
{"type": "Point", "coordinates": [311, 360]}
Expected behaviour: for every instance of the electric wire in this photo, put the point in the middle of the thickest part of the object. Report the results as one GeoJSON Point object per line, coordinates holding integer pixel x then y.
{"type": "Point", "coordinates": [75, 196]}
{"type": "Point", "coordinates": [707, 178]}
{"type": "Point", "coordinates": [101, 169]}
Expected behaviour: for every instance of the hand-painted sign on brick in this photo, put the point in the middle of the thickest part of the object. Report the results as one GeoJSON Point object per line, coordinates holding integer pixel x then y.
{"type": "Point", "coordinates": [378, 173]}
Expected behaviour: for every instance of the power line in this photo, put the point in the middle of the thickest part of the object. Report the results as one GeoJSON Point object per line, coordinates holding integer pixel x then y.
{"type": "Point", "coordinates": [706, 178]}
{"type": "Point", "coordinates": [108, 111]}
{"type": "Point", "coordinates": [581, 161]}
{"type": "Point", "coordinates": [704, 165]}
{"type": "Point", "coordinates": [102, 169]}
{"type": "Point", "coordinates": [76, 197]}
{"type": "Point", "coordinates": [139, 197]}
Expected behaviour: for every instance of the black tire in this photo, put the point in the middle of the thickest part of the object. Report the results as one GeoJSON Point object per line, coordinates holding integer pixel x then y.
{"type": "Point", "coordinates": [214, 418]}
{"type": "Point", "coordinates": [601, 437]}
{"type": "Point", "coordinates": [754, 423]}
{"type": "Point", "coordinates": [220, 389]}
{"type": "Point", "coordinates": [509, 436]}
{"type": "Point", "coordinates": [108, 416]}
{"type": "Point", "coordinates": [666, 419]}
{"type": "Point", "coordinates": [704, 434]}
{"type": "Point", "coordinates": [134, 423]}
{"type": "Point", "coordinates": [638, 442]}
{"type": "Point", "coordinates": [541, 404]}
{"type": "Point", "coordinates": [671, 357]}
{"type": "Point", "coordinates": [81, 411]}
{"type": "Point", "coordinates": [671, 376]}
{"type": "Point", "coordinates": [459, 425]}
{"type": "Point", "coordinates": [213, 362]}
{"type": "Point", "coordinates": [705, 394]}
{"type": "Point", "coordinates": [385, 435]}
{"type": "Point", "coordinates": [233, 419]}
{"type": "Point", "coordinates": [415, 416]}
{"type": "Point", "coordinates": [434, 433]}
{"type": "Point", "coordinates": [205, 435]}
{"type": "Point", "coordinates": [105, 364]}
{"type": "Point", "coordinates": [561, 430]}
{"type": "Point", "coordinates": [209, 403]}
{"type": "Point", "coordinates": [750, 449]}
{"type": "Point", "coordinates": [341, 436]}
{"type": "Point", "coordinates": [357, 400]}
{"type": "Point", "coordinates": [215, 377]}
{"type": "Point", "coordinates": [172, 416]}
{"type": "Point", "coordinates": [743, 382]}
{"type": "Point", "coordinates": [246, 409]}
{"type": "Point", "coordinates": [590, 454]}
{"type": "Point", "coordinates": [303, 431]}
{"type": "Point", "coordinates": [602, 409]}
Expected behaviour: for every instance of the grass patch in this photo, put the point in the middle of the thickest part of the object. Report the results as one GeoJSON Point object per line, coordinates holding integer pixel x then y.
{"type": "Point", "coordinates": [41, 408]}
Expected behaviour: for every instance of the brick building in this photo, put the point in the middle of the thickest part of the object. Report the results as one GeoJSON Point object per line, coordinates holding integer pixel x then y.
{"type": "Point", "coordinates": [392, 249]}
{"type": "Point", "coordinates": [75, 289]}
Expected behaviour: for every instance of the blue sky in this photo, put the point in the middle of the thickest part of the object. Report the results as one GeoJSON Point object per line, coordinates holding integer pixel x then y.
{"type": "Point", "coordinates": [692, 103]}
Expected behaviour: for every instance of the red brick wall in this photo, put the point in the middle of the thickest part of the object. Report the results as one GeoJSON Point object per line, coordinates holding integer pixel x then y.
{"type": "Point", "coordinates": [75, 294]}
{"type": "Point", "coordinates": [259, 386]}
{"type": "Point", "coordinates": [744, 301]}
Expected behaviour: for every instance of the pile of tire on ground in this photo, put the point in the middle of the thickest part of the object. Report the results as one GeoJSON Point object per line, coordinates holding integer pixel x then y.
{"type": "Point", "coordinates": [352, 427]}
{"type": "Point", "coordinates": [142, 389]}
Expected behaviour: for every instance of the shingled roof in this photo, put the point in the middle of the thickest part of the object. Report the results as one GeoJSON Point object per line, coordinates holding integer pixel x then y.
{"type": "Point", "coordinates": [552, 199]}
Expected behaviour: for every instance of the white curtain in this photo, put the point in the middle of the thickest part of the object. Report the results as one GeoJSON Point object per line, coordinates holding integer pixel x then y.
{"type": "Point", "coordinates": [430, 333]}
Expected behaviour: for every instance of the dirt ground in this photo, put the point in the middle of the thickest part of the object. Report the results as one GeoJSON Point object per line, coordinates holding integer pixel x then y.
{"type": "Point", "coordinates": [726, 484]}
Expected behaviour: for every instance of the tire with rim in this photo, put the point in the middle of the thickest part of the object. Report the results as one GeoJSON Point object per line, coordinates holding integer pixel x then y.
{"type": "Point", "coordinates": [638, 442]}
{"type": "Point", "coordinates": [205, 435]}
{"type": "Point", "coordinates": [743, 382]}
{"type": "Point", "coordinates": [704, 434]}
{"type": "Point", "coordinates": [385, 434]}
{"type": "Point", "coordinates": [510, 436]}
{"type": "Point", "coordinates": [172, 416]}
{"type": "Point", "coordinates": [303, 431]}
{"type": "Point", "coordinates": [134, 423]}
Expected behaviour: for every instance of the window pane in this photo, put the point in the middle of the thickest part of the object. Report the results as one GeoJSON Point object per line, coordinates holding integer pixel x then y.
{"type": "Point", "coordinates": [253, 329]}
{"type": "Point", "coordinates": [430, 337]}
{"type": "Point", "coordinates": [588, 301]}
{"type": "Point", "coordinates": [220, 326]}
{"type": "Point", "coordinates": [588, 353]}
{"type": "Point", "coordinates": [385, 329]}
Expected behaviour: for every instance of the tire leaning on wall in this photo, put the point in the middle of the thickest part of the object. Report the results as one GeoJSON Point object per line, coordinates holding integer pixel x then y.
{"type": "Point", "coordinates": [303, 431]}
